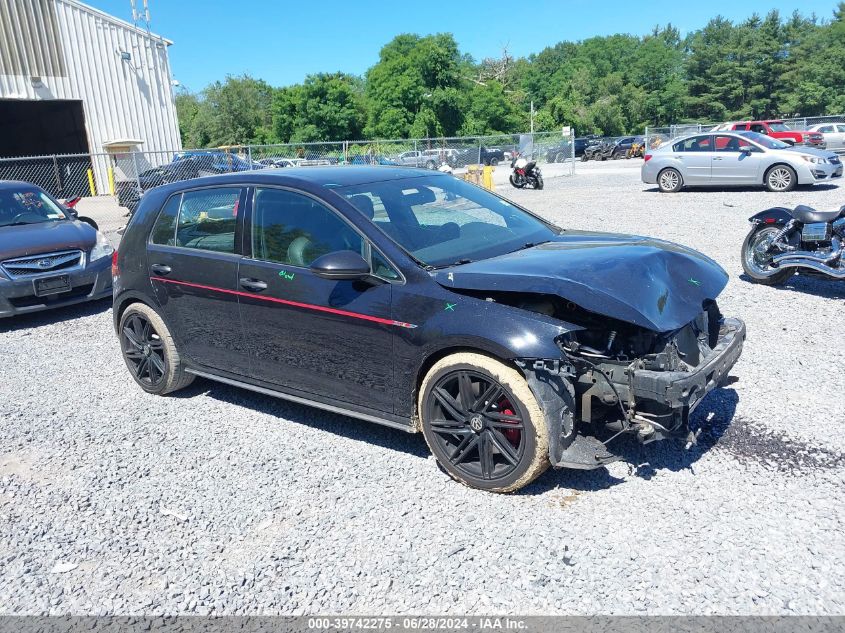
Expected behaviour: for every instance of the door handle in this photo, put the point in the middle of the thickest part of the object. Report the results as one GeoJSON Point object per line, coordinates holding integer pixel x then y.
{"type": "Point", "coordinates": [160, 269]}
{"type": "Point", "coordinates": [717, 158]}
{"type": "Point", "coordinates": [253, 285]}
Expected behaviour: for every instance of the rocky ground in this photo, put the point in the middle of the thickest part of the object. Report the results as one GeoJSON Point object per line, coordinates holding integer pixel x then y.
{"type": "Point", "coordinates": [222, 501]}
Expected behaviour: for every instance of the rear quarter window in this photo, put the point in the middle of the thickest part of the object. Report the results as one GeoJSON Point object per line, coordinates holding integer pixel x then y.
{"type": "Point", "coordinates": [164, 229]}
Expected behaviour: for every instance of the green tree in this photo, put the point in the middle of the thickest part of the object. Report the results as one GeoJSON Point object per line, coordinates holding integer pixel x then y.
{"type": "Point", "coordinates": [414, 74]}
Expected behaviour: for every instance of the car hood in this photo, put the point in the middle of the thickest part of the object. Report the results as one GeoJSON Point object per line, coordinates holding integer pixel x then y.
{"type": "Point", "coordinates": [45, 237]}
{"type": "Point", "coordinates": [655, 284]}
{"type": "Point", "coordinates": [812, 151]}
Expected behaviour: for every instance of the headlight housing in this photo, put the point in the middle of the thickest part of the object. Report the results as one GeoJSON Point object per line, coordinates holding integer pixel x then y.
{"type": "Point", "coordinates": [101, 249]}
{"type": "Point", "coordinates": [816, 160]}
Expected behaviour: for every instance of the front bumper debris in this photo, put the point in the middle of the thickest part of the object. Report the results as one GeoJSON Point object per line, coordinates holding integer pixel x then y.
{"type": "Point", "coordinates": [654, 404]}
{"type": "Point", "coordinates": [676, 389]}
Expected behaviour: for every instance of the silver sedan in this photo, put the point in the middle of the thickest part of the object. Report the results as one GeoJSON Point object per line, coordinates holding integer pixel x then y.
{"type": "Point", "coordinates": [737, 159]}
{"type": "Point", "coordinates": [834, 134]}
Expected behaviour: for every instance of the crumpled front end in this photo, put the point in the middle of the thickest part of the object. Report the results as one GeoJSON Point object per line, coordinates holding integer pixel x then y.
{"type": "Point", "coordinates": [638, 382]}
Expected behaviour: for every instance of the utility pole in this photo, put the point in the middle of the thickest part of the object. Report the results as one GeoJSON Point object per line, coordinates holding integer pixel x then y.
{"type": "Point", "coordinates": [532, 116]}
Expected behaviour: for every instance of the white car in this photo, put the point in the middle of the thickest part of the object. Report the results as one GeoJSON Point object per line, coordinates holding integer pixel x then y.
{"type": "Point", "coordinates": [737, 159]}
{"type": "Point", "coordinates": [834, 134]}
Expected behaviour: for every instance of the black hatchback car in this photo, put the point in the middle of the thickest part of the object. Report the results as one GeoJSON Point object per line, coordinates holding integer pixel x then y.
{"type": "Point", "coordinates": [420, 301]}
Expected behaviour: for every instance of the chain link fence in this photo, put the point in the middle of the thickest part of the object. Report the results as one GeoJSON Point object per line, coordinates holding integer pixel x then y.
{"type": "Point", "coordinates": [656, 136]}
{"type": "Point", "coordinates": [128, 175]}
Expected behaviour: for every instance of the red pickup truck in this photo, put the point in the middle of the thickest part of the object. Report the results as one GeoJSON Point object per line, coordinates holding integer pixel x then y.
{"type": "Point", "coordinates": [778, 130]}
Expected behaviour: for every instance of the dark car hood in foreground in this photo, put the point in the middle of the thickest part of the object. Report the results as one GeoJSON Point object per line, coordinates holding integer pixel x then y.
{"type": "Point", "coordinates": [45, 237]}
{"type": "Point", "coordinates": [652, 283]}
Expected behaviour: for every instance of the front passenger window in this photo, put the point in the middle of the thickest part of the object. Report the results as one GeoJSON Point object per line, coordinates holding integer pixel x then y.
{"type": "Point", "coordinates": [292, 228]}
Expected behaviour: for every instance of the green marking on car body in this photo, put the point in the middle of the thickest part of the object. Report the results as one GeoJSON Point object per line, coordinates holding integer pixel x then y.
{"type": "Point", "coordinates": [694, 282]}
{"type": "Point", "coordinates": [286, 275]}
{"type": "Point", "coordinates": [450, 307]}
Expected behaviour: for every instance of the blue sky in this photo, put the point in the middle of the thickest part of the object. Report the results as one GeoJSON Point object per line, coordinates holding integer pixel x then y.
{"type": "Point", "coordinates": [281, 41]}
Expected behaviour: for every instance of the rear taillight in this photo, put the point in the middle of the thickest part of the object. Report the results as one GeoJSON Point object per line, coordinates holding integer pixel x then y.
{"type": "Point", "coordinates": [115, 269]}
{"type": "Point", "coordinates": [647, 157]}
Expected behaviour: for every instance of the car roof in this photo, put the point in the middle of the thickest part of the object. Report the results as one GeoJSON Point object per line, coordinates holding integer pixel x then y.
{"type": "Point", "coordinates": [5, 185]}
{"type": "Point", "coordinates": [328, 176]}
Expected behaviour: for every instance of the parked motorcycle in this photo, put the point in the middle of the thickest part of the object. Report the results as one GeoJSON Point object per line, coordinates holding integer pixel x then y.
{"type": "Point", "coordinates": [525, 173]}
{"type": "Point", "coordinates": [783, 241]}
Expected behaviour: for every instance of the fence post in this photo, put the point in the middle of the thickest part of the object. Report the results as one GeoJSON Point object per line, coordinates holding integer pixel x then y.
{"type": "Point", "coordinates": [137, 171]}
{"type": "Point", "coordinates": [249, 154]}
{"type": "Point", "coordinates": [479, 150]}
{"type": "Point", "coordinates": [59, 187]}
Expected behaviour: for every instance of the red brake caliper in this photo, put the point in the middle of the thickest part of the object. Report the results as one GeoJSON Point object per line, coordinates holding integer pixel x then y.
{"type": "Point", "coordinates": [513, 435]}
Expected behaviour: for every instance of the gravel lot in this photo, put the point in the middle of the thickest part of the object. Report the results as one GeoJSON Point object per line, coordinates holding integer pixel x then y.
{"type": "Point", "coordinates": [222, 501]}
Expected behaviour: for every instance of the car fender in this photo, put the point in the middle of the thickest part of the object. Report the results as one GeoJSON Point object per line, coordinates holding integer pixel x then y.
{"type": "Point", "coordinates": [495, 329]}
{"type": "Point", "coordinates": [775, 215]}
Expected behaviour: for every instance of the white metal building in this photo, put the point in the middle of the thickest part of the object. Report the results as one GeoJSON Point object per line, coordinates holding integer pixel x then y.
{"type": "Point", "coordinates": [74, 79]}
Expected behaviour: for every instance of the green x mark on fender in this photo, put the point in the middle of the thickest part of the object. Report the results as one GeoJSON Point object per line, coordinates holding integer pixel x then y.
{"type": "Point", "coordinates": [694, 282]}
{"type": "Point", "coordinates": [450, 307]}
{"type": "Point", "coordinates": [286, 275]}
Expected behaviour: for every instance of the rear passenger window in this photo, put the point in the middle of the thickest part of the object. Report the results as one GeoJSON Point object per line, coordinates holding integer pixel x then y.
{"type": "Point", "coordinates": [207, 219]}
{"type": "Point", "coordinates": [291, 228]}
{"type": "Point", "coordinates": [694, 144]}
{"type": "Point", "coordinates": [164, 230]}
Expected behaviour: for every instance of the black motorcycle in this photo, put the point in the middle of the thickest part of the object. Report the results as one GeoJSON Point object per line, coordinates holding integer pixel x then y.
{"type": "Point", "coordinates": [782, 241]}
{"type": "Point", "coordinates": [525, 173]}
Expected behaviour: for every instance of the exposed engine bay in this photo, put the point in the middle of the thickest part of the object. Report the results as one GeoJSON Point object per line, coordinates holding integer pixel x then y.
{"type": "Point", "coordinates": [615, 377]}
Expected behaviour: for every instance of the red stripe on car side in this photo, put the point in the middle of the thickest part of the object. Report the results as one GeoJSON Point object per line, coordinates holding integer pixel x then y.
{"type": "Point", "coordinates": [296, 304]}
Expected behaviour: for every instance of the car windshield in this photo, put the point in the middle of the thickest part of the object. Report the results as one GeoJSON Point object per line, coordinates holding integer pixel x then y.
{"type": "Point", "coordinates": [442, 220]}
{"type": "Point", "coordinates": [766, 141]}
{"type": "Point", "coordinates": [779, 127]}
{"type": "Point", "coordinates": [28, 206]}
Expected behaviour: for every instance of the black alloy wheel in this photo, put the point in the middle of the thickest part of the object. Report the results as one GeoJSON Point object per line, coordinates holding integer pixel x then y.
{"type": "Point", "coordinates": [143, 350]}
{"type": "Point", "coordinates": [476, 426]}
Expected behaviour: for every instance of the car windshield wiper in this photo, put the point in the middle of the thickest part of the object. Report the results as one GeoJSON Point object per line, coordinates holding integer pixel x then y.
{"type": "Point", "coordinates": [459, 262]}
{"type": "Point", "coordinates": [528, 245]}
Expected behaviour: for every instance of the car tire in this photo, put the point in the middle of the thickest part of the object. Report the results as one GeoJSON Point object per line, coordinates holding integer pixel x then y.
{"type": "Point", "coordinates": [781, 178]}
{"type": "Point", "coordinates": [152, 357]}
{"type": "Point", "coordinates": [584, 158]}
{"type": "Point", "coordinates": [670, 180]}
{"type": "Point", "coordinates": [430, 165]}
{"type": "Point", "coordinates": [756, 269]}
{"type": "Point", "coordinates": [494, 162]}
{"type": "Point", "coordinates": [513, 457]}
{"type": "Point", "coordinates": [560, 157]}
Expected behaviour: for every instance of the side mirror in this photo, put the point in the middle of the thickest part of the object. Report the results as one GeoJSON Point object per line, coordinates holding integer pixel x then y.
{"type": "Point", "coordinates": [746, 149]}
{"type": "Point", "coordinates": [73, 213]}
{"type": "Point", "coordinates": [89, 221]}
{"type": "Point", "coordinates": [341, 265]}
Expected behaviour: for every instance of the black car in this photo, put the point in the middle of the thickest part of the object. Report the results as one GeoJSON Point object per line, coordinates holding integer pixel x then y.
{"type": "Point", "coordinates": [49, 256]}
{"type": "Point", "coordinates": [420, 301]}
{"type": "Point", "coordinates": [184, 166]}
{"type": "Point", "coordinates": [491, 156]}
{"type": "Point", "coordinates": [563, 151]}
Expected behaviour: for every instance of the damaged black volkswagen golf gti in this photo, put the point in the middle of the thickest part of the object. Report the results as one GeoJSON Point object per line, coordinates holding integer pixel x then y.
{"type": "Point", "coordinates": [417, 300]}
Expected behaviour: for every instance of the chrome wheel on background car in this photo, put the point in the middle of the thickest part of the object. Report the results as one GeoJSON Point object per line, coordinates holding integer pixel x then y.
{"type": "Point", "coordinates": [669, 180]}
{"type": "Point", "coordinates": [756, 261]}
{"type": "Point", "coordinates": [482, 423]}
{"type": "Point", "coordinates": [781, 178]}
